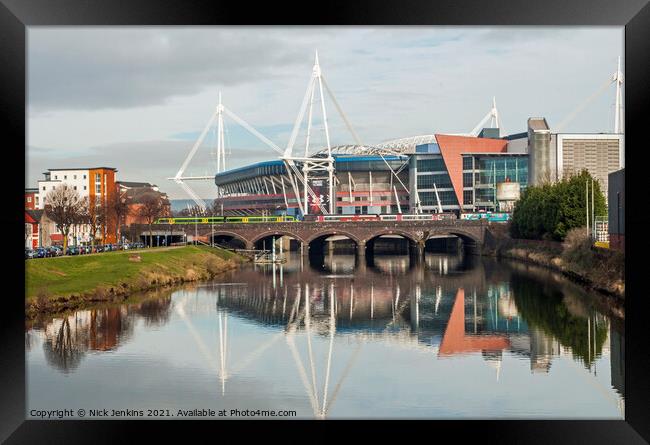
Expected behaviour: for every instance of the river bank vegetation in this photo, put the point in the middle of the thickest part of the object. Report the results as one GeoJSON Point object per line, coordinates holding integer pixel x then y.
{"type": "Point", "coordinates": [549, 228]}
{"type": "Point", "coordinates": [576, 257]}
{"type": "Point", "coordinates": [55, 284]}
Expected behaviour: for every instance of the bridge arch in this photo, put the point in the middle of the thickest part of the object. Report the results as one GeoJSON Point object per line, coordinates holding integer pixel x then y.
{"type": "Point", "coordinates": [470, 241]}
{"type": "Point", "coordinates": [462, 234]}
{"type": "Point", "coordinates": [214, 235]}
{"type": "Point", "coordinates": [278, 233]}
{"type": "Point", "coordinates": [269, 233]}
{"type": "Point", "coordinates": [383, 232]}
{"type": "Point", "coordinates": [334, 232]}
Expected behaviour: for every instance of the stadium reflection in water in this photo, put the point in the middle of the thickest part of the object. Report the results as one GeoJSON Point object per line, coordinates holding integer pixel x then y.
{"type": "Point", "coordinates": [454, 337]}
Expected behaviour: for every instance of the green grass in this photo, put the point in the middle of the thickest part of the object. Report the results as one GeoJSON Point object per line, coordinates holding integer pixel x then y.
{"type": "Point", "coordinates": [67, 275]}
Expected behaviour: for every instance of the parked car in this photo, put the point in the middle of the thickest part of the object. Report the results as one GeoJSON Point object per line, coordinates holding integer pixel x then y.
{"type": "Point", "coordinates": [29, 253]}
{"type": "Point", "coordinates": [72, 250]}
{"type": "Point", "coordinates": [57, 251]}
{"type": "Point", "coordinates": [40, 253]}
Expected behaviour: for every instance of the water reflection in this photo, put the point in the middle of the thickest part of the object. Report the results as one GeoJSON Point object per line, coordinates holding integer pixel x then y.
{"type": "Point", "coordinates": [323, 314]}
{"type": "Point", "coordinates": [67, 339]}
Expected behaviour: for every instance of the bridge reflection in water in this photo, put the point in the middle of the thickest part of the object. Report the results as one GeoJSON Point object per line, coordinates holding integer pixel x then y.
{"type": "Point", "coordinates": [326, 312]}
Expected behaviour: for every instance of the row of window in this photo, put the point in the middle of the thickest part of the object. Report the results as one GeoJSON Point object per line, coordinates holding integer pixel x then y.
{"type": "Point", "coordinates": [74, 187]}
{"type": "Point", "coordinates": [363, 210]}
{"type": "Point", "coordinates": [363, 198]}
{"type": "Point", "coordinates": [427, 181]}
{"type": "Point", "coordinates": [66, 177]}
{"type": "Point", "coordinates": [431, 165]}
{"type": "Point", "coordinates": [447, 197]}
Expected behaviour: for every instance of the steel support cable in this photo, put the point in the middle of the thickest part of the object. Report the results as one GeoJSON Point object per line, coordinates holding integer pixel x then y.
{"type": "Point", "coordinates": [580, 107]}
{"type": "Point", "coordinates": [301, 115]}
{"type": "Point", "coordinates": [252, 130]}
{"type": "Point", "coordinates": [354, 134]}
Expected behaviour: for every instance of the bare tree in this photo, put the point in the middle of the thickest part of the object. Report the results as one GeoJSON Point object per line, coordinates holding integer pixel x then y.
{"type": "Point", "coordinates": [195, 210]}
{"type": "Point", "coordinates": [28, 232]}
{"type": "Point", "coordinates": [92, 215]}
{"type": "Point", "coordinates": [152, 207]}
{"type": "Point", "coordinates": [118, 209]}
{"type": "Point", "coordinates": [63, 207]}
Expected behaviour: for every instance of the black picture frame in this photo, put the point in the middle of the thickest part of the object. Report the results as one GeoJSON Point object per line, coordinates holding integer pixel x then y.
{"type": "Point", "coordinates": [16, 15]}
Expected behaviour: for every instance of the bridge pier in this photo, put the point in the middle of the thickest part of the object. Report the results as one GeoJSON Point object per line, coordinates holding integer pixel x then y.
{"type": "Point", "coordinates": [416, 251]}
{"type": "Point", "coordinates": [361, 249]}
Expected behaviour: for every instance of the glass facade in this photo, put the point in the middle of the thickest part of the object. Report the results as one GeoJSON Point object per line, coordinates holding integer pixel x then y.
{"type": "Point", "coordinates": [481, 174]}
{"type": "Point", "coordinates": [427, 181]}
{"type": "Point", "coordinates": [495, 169]}
{"type": "Point", "coordinates": [431, 165]}
{"type": "Point", "coordinates": [447, 197]}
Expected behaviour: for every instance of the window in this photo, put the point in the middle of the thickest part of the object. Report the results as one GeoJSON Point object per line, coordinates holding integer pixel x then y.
{"type": "Point", "coordinates": [467, 163]}
{"type": "Point", "coordinates": [84, 176]}
{"type": "Point", "coordinates": [43, 188]}
{"type": "Point", "coordinates": [56, 177]}
{"type": "Point", "coordinates": [65, 176]}
{"type": "Point", "coordinates": [75, 187]}
{"type": "Point", "coordinates": [85, 187]}
{"type": "Point", "coordinates": [446, 198]}
{"type": "Point", "coordinates": [427, 181]}
{"type": "Point", "coordinates": [467, 180]}
{"type": "Point", "coordinates": [431, 164]}
{"type": "Point", "coordinates": [29, 199]}
{"type": "Point", "coordinates": [75, 176]}
{"type": "Point", "coordinates": [467, 197]}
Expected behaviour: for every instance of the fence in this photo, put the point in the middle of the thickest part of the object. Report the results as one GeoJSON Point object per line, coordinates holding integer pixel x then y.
{"type": "Point", "coordinates": [601, 229]}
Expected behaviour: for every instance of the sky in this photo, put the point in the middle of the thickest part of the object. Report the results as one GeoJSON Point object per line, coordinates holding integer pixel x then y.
{"type": "Point", "coordinates": [137, 98]}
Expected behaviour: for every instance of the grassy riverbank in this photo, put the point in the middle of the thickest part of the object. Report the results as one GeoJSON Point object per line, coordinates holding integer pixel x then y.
{"type": "Point", "coordinates": [55, 284]}
{"type": "Point", "coordinates": [597, 268]}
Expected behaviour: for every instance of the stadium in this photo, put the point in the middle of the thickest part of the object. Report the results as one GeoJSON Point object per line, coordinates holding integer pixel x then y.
{"type": "Point", "coordinates": [425, 174]}
{"type": "Point", "coordinates": [477, 173]}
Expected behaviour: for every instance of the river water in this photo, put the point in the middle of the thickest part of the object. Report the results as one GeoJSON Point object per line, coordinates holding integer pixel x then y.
{"type": "Point", "coordinates": [457, 336]}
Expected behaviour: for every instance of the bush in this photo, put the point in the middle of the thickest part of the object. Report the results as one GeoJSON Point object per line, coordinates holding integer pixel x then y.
{"type": "Point", "coordinates": [42, 298]}
{"type": "Point", "coordinates": [578, 249]}
{"type": "Point", "coordinates": [215, 266]}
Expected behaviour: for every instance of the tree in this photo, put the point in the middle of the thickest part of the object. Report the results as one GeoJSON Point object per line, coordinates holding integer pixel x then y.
{"type": "Point", "coordinates": [194, 210]}
{"type": "Point", "coordinates": [63, 207]}
{"type": "Point", "coordinates": [152, 207]}
{"type": "Point", "coordinates": [28, 232]}
{"type": "Point", "coordinates": [92, 215]}
{"type": "Point", "coordinates": [118, 209]}
{"type": "Point", "coordinates": [549, 211]}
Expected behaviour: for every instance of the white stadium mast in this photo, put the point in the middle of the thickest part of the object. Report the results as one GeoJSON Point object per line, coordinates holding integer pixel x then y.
{"type": "Point", "coordinates": [313, 164]}
{"type": "Point", "coordinates": [493, 116]}
{"type": "Point", "coordinates": [221, 152]}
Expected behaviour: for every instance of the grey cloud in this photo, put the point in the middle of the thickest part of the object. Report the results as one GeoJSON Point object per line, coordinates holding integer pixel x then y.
{"type": "Point", "coordinates": [98, 68]}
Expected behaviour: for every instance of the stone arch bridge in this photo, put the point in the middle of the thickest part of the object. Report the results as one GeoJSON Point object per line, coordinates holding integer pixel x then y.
{"type": "Point", "coordinates": [362, 233]}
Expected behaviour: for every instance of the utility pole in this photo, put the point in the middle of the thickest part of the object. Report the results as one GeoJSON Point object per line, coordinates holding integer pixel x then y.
{"type": "Point", "coordinates": [587, 203]}
{"type": "Point", "coordinates": [593, 211]}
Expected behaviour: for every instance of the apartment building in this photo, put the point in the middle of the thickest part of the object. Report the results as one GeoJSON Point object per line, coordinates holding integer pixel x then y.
{"type": "Point", "coordinates": [96, 183]}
